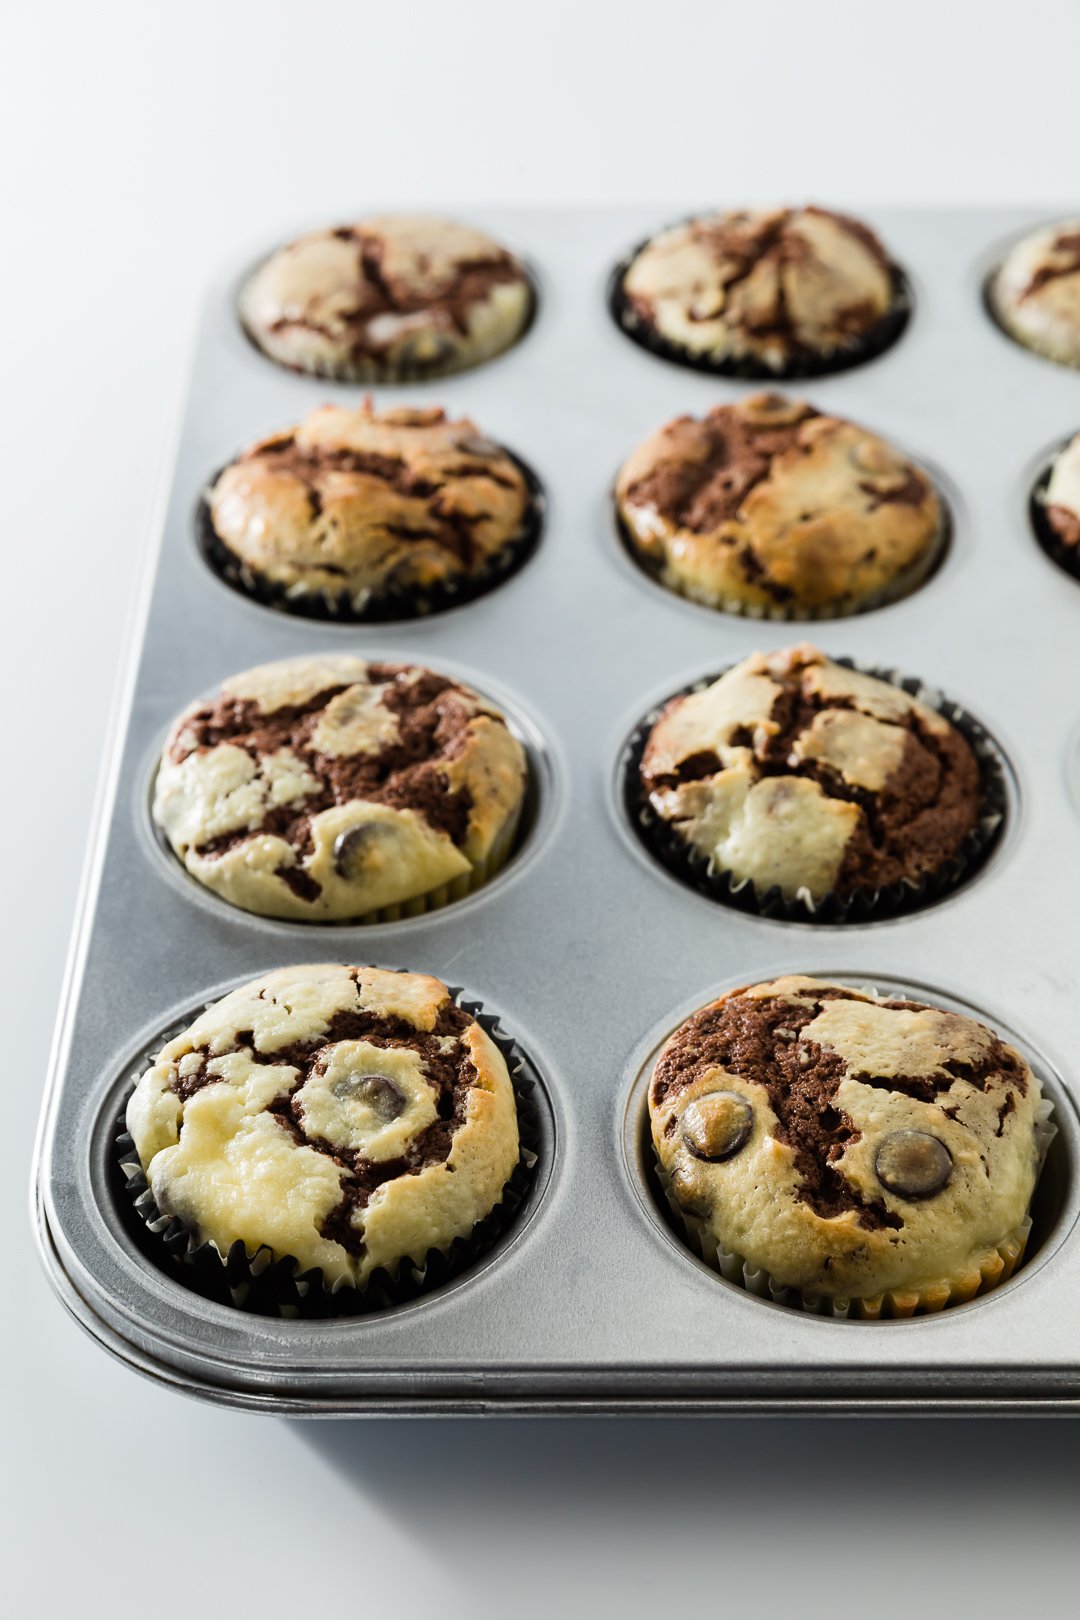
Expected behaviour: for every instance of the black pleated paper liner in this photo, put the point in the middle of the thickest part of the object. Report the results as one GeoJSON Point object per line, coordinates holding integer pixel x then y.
{"type": "Point", "coordinates": [265, 1286]}
{"type": "Point", "coordinates": [809, 364]}
{"type": "Point", "coordinates": [1067, 557]}
{"type": "Point", "coordinates": [389, 606]}
{"type": "Point", "coordinates": [664, 844]}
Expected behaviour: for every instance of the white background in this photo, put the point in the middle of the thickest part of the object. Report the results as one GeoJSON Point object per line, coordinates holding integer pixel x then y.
{"type": "Point", "coordinates": [143, 145]}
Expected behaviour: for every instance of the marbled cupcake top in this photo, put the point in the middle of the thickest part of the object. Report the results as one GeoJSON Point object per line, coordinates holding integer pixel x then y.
{"type": "Point", "coordinates": [769, 290]}
{"type": "Point", "coordinates": [769, 506]}
{"type": "Point", "coordinates": [328, 788]}
{"type": "Point", "coordinates": [350, 506]}
{"type": "Point", "coordinates": [1061, 502]}
{"type": "Point", "coordinates": [394, 297]}
{"type": "Point", "coordinates": [848, 1143]}
{"type": "Point", "coordinates": [1036, 292]}
{"type": "Point", "coordinates": [796, 772]}
{"type": "Point", "coordinates": [345, 1116]}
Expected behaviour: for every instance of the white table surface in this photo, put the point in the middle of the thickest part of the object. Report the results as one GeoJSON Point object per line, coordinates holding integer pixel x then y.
{"type": "Point", "coordinates": [142, 146]}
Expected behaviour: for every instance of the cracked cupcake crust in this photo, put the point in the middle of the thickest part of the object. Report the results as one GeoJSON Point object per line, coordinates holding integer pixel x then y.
{"type": "Point", "coordinates": [769, 507]}
{"type": "Point", "coordinates": [888, 1145]}
{"type": "Point", "coordinates": [1061, 500]}
{"type": "Point", "coordinates": [334, 789]}
{"type": "Point", "coordinates": [1036, 292]}
{"type": "Point", "coordinates": [388, 299]}
{"type": "Point", "coordinates": [354, 507]}
{"type": "Point", "coordinates": [796, 772]}
{"type": "Point", "coordinates": [349, 1117]}
{"type": "Point", "coordinates": [763, 291]}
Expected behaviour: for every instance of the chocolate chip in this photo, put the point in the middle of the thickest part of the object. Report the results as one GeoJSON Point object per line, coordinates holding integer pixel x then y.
{"type": "Point", "coordinates": [381, 1095]}
{"type": "Point", "coordinates": [913, 1164]}
{"type": "Point", "coordinates": [349, 847]}
{"type": "Point", "coordinates": [716, 1126]}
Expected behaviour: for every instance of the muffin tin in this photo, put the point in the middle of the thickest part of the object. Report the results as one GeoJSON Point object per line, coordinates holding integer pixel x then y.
{"type": "Point", "coordinates": [587, 950]}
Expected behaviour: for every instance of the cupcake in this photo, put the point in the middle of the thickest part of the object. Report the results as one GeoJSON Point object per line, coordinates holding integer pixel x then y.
{"type": "Point", "coordinates": [1035, 294]}
{"type": "Point", "coordinates": [1056, 507]}
{"type": "Point", "coordinates": [798, 784]}
{"type": "Point", "coordinates": [397, 297]}
{"type": "Point", "coordinates": [370, 514]}
{"type": "Point", "coordinates": [332, 789]}
{"type": "Point", "coordinates": [763, 293]}
{"type": "Point", "coordinates": [770, 508]}
{"type": "Point", "coordinates": [343, 1119]}
{"type": "Point", "coordinates": [839, 1149]}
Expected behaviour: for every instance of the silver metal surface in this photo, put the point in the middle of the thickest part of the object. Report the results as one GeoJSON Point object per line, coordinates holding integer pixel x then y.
{"type": "Point", "coordinates": [588, 951]}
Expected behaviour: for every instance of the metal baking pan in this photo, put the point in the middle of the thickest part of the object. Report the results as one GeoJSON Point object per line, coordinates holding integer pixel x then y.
{"type": "Point", "coordinates": [587, 950]}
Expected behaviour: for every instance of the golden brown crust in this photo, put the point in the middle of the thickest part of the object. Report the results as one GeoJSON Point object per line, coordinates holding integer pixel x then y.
{"type": "Point", "coordinates": [893, 1145]}
{"type": "Point", "coordinates": [351, 505]}
{"type": "Point", "coordinates": [768, 506]}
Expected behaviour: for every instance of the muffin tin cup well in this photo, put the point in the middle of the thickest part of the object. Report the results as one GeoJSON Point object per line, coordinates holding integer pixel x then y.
{"type": "Point", "coordinates": [518, 839]}
{"type": "Point", "coordinates": [269, 1285]}
{"type": "Point", "coordinates": [888, 331]}
{"type": "Point", "coordinates": [388, 607]}
{"type": "Point", "coordinates": [993, 261]}
{"type": "Point", "coordinates": [672, 852]}
{"type": "Point", "coordinates": [1067, 557]}
{"type": "Point", "coordinates": [1053, 1194]}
